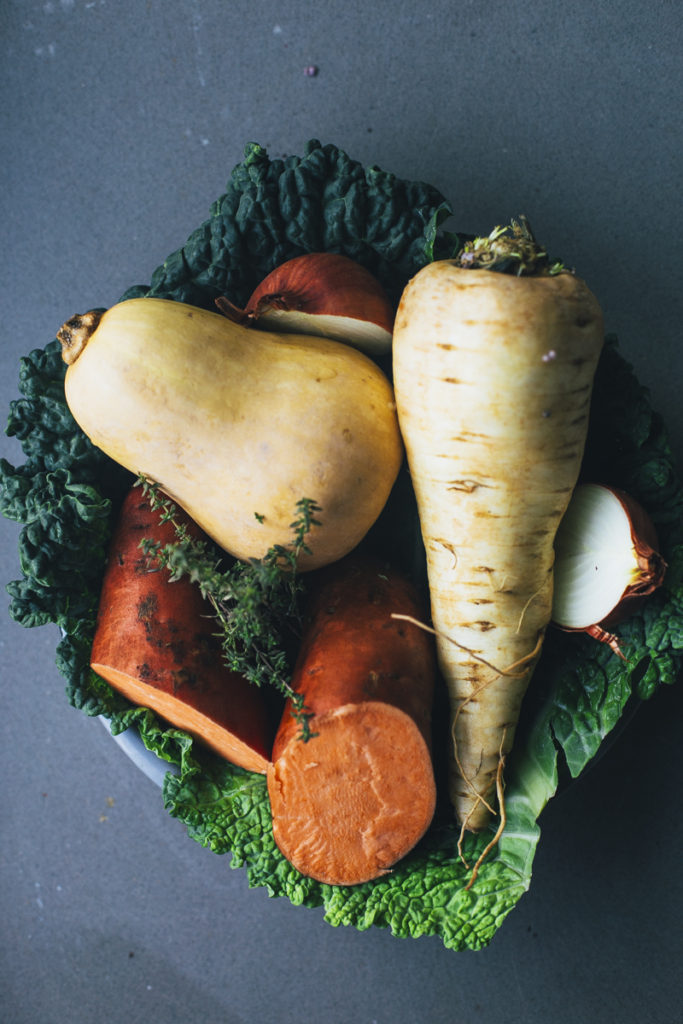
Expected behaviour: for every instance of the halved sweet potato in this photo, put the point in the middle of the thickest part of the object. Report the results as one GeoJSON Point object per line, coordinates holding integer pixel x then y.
{"type": "Point", "coordinates": [353, 799]}
{"type": "Point", "coordinates": [155, 643]}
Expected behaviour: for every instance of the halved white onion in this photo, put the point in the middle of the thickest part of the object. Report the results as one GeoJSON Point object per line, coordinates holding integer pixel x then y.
{"type": "Point", "coordinates": [604, 554]}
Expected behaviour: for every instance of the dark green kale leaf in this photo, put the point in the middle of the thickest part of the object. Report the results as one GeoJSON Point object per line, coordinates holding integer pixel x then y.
{"type": "Point", "coordinates": [274, 210]}
{"type": "Point", "coordinates": [63, 495]}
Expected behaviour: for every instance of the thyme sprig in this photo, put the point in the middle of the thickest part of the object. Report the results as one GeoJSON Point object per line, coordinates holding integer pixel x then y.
{"type": "Point", "coordinates": [255, 602]}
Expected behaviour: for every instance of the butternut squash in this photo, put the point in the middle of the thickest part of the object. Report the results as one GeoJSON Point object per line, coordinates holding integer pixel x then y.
{"type": "Point", "coordinates": [236, 426]}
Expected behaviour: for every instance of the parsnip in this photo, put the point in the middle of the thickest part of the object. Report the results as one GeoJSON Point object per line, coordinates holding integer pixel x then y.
{"type": "Point", "coordinates": [493, 377]}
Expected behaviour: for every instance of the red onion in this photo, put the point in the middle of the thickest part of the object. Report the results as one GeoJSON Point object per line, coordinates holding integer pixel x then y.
{"type": "Point", "coordinates": [325, 294]}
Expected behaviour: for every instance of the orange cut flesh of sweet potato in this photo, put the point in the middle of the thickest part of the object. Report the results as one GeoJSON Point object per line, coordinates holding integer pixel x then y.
{"type": "Point", "coordinates": [154, 643]}
{"type": "Point", "coordinates": [356, 797]}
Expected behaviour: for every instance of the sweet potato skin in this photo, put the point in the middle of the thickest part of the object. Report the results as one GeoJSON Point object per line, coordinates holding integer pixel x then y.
{"type": "Point", "coordinates": [353, 650]}
{"type": "Point", "coordinates": [154, 641]}
{"type": "Point", "coordinates": [348, 803]}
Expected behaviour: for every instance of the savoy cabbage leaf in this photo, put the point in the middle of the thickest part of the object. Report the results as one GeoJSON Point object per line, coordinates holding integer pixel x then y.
{"type": "Point", "coordinates": [66, 496]}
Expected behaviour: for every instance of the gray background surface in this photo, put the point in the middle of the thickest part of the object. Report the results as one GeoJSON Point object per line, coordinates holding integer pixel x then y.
{"type": "Point", "coordinates": [120, 123]}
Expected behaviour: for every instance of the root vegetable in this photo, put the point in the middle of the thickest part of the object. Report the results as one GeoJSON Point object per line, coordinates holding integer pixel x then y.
{"type": "Point", "coordinates": [237, 426]}
{"type": "Point", "coordinates": [493, 378]}
{"type": "Point", "coordinates": [351, 801]}
{"type": "Point", "coordinates": [155, 643]}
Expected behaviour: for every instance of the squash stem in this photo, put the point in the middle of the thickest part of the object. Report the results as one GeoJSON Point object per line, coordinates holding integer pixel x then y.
{"type": "Point", "coordinates": [75, 334]}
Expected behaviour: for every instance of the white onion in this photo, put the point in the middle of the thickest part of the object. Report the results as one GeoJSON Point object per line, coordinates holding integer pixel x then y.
{"type": "Point", "coordinates": [604, 556]}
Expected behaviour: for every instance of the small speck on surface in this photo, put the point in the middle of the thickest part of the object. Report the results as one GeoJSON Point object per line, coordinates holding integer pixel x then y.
{"type": "Point", "coordinates": [311, 71]}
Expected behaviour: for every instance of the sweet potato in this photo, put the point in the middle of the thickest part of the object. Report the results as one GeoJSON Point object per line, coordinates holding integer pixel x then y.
{"type": "Point", "coordinates": [353, 799]}
{"type": "Point", "coordinates": [155, 643]}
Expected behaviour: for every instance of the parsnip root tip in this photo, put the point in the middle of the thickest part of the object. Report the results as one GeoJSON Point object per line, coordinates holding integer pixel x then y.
{"type": "Point", "coordinates": [500, 793]}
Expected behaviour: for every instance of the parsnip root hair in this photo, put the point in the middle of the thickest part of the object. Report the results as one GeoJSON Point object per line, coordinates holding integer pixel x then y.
{"type": "Point", "coordinates": [480, 798]}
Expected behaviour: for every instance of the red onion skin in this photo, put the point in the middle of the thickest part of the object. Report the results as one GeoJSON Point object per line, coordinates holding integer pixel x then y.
{"type": "Point", "coordinates": [317, 283]}
{"type": "Point", "coordinates": [650, 562]}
